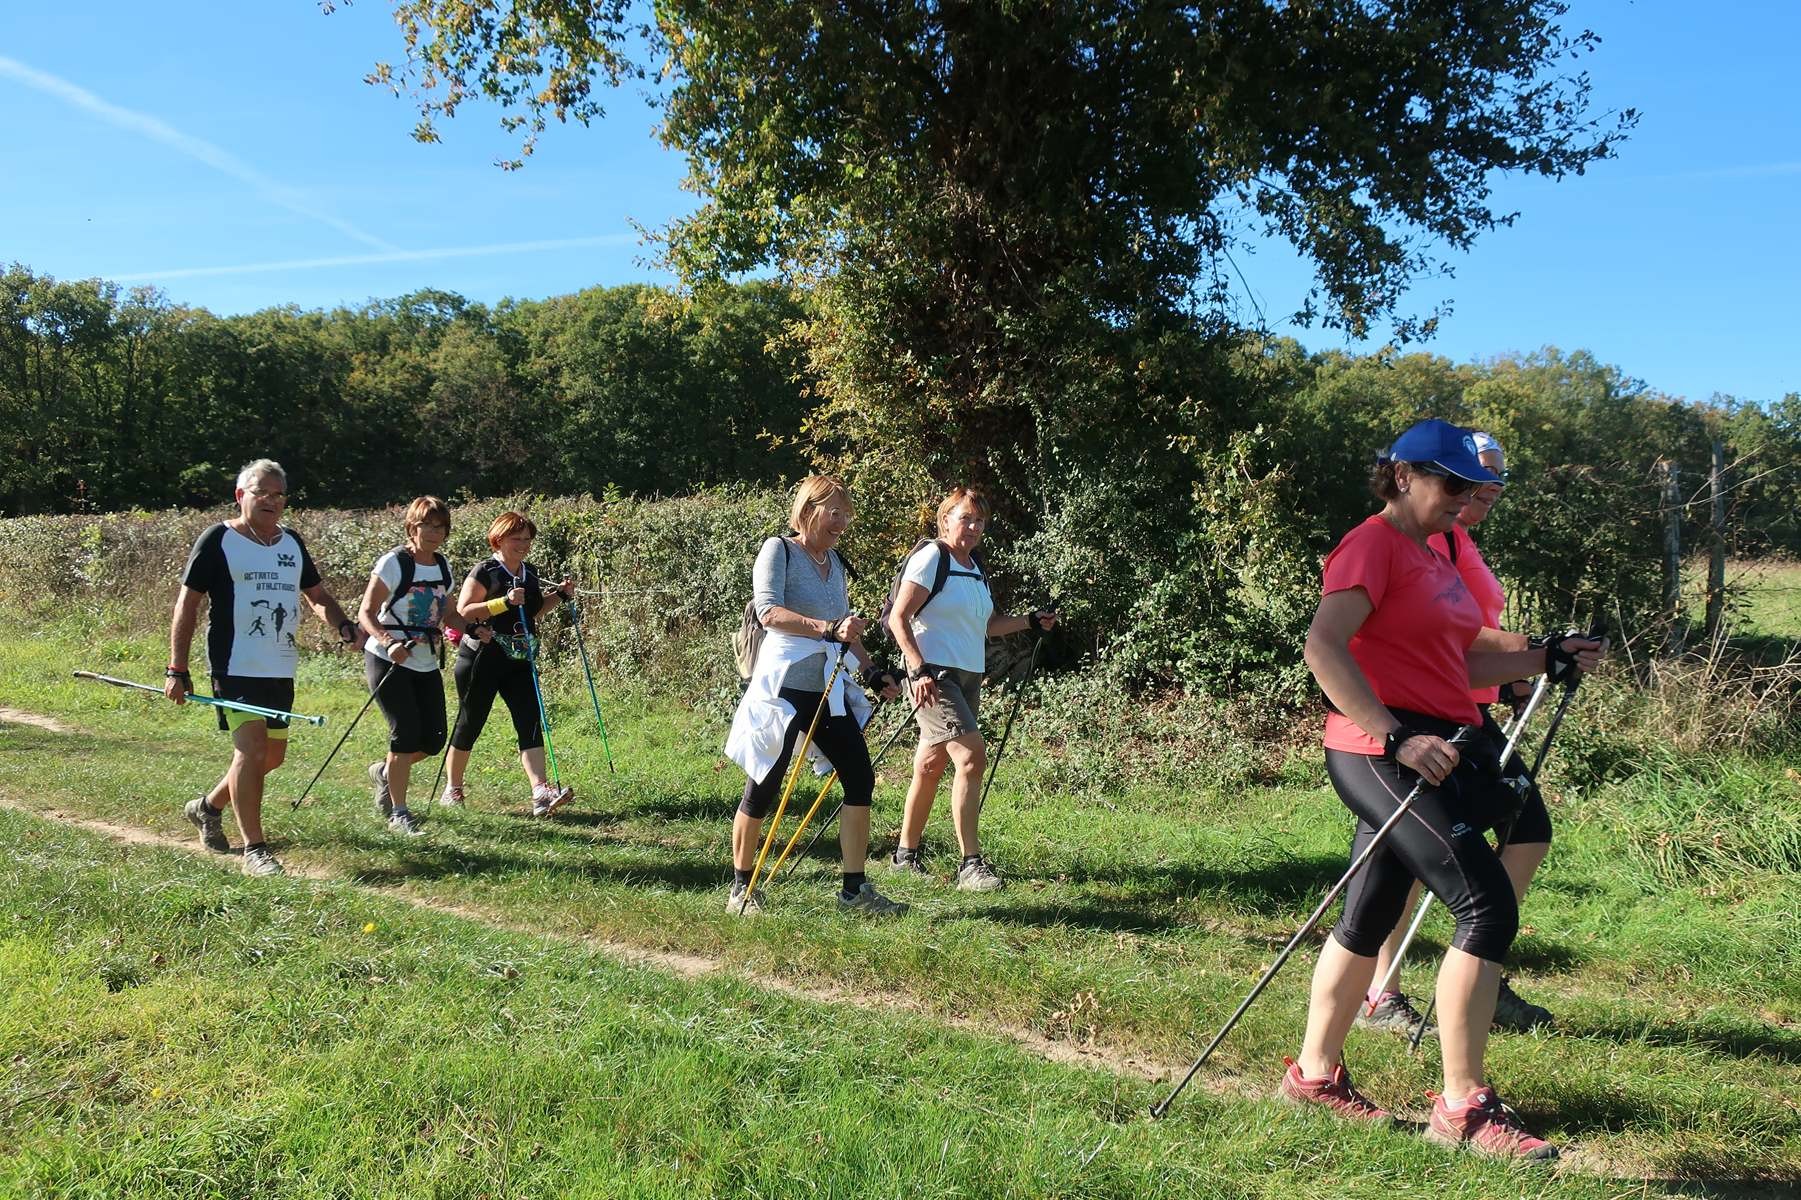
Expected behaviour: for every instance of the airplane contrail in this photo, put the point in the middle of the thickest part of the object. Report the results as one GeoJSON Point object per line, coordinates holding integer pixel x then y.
{"type": "Point", "coordinates": [392, 256]}
{"type": "Point", "coordinates": [219, 159]}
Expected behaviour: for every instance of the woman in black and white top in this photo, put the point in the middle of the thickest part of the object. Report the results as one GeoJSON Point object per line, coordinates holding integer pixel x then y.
{"type": "Point", "coordinates": [405, 609]}
{"type": "Point", "coordinates": [943, 615]}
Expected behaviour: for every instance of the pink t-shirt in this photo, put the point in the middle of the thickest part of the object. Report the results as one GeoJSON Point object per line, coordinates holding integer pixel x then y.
{"type": "Point", "coordinates": [1486, 589]}
{"type": "Point", "coordinates": [1412, 648]}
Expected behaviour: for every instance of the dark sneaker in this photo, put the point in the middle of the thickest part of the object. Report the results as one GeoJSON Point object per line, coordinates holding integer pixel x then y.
{"type": "Point", "coordinates": [209, 821]}
{"type": "Point", "coordinates": [738, 907]}
{"type": "Point", "coordinates": [1487, 1126]}
{"type": "Point", "coordinates": [403, 821]}
{"type": "Point", "coordinates": [1394, 1013]}
{"type": "Point", "coordinates": [546, 800]}
{"type": "Point", "coordinates": [384, 803]}
{"type": "Point", "coordinates": [976, 875]}
{"type": "Point", "coordinates": [1520, 1016]}
{"type": "Point", "coordinates": [911, 861]}
{"type": "Point", "coordinates": [452, 797]}
{"type": "Point", "coordinates": [871, 903]}
{"type": "Point", "coordinates": [258, 861]}
{"type": "Point", "coordinates": [1334, 1092]}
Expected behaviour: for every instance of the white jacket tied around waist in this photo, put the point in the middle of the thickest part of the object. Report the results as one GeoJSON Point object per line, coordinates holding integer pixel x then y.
{"type": "Point", "coordinates": [761, 723]}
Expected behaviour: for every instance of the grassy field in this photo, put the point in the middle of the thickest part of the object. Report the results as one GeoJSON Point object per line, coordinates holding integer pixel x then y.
{"type": "Point", "coordinates": [497, 1046]}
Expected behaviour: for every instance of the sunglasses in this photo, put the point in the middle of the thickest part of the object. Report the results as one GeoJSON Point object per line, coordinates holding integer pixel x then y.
{"type": "Point", "coordinates": [1454, 485]}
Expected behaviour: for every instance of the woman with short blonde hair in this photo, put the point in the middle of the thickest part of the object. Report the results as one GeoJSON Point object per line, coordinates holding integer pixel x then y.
{"type": "Point", "coordinates": [942, 619]}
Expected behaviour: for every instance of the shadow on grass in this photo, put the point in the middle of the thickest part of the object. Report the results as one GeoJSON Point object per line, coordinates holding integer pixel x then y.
{"type": "Point", "coordinates": [417, 864]}
{"type": "Point", "coordinates": [1741, 1042]}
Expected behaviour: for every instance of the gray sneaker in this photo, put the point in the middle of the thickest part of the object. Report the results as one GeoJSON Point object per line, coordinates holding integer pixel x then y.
{"type": "Point", "coordinates": [1520, 1016]}
{"type": "Point", "coordinates": [259, 861]}
{"type": "Point", "coordinates": [1393, 1013]}
{"type": "Point", "coordinates": [910, 861]}
{"type": "Point", "coordinates": [976, 875]}
{"type": "Point", "coordinates": [209, 821]}
{"type": "Point", "coordinates": [403, 821]}
{"type": "Point", "coordinates": [384, 803]}
{"type": "Point", "coordinates": [871, 903]}
{"type": "Point", "coordinates": [736, 905]}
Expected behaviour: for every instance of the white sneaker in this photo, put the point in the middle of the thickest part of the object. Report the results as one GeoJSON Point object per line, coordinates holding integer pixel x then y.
{"type": "Point", "coordinates": [871, 903]}
{"type": "Point", "coordinates": [736, 904]}
{"type": "Point", "coordinates": [258, 861]}
{"type": "Point", "coordinates": [452, 797]}
{"type": "Point", "coordinates": [546, 800]}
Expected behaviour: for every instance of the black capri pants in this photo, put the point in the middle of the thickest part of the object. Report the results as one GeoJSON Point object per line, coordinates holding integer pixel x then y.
{"type": "Point", "coordinates": [412, 701]}
{"type": "Point", "coordinates": [1442, 842]}
{"type": "Point", "coordinates": [483, 674]}
{"type": "Point", "coordinates": [839, 738]}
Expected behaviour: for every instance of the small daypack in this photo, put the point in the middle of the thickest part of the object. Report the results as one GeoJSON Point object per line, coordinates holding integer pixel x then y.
{"type": "Point", "coordinates": [408, 568]}
{"type": "Point", "coordinates": [747, 639]}
{"type": "Point", "coordinates": [941, 576]}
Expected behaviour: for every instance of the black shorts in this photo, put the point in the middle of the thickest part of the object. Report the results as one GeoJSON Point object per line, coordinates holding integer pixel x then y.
{"type": "Point", "coordinates": [252, 689]}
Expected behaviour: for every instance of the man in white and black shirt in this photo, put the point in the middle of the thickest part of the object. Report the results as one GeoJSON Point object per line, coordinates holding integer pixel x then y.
{"type": "Point", "coordinates": [253, 573]}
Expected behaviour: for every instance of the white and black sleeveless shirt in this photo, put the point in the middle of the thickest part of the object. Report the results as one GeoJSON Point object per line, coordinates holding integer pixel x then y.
{"type": "Point", "coordinates": [253, 592]}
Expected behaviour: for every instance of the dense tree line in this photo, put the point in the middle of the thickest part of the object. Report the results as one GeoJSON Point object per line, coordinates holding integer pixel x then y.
{"type": "Point", "coordinates": [114, 398]}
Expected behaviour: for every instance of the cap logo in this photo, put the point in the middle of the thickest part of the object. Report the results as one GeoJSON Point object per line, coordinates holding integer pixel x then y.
{"type": "Point", "coordinates": [1469, 443]}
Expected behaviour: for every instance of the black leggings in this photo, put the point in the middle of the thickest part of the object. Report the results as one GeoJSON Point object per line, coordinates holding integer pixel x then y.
{"type": "Point", "coordinates": [838, 738]}
{"type": "Point", "coordinates": [480, 676]}
{"type": "Point", "coordinates": [413, 703]}
{"type": "Point", "coordinates": [1441, 842]}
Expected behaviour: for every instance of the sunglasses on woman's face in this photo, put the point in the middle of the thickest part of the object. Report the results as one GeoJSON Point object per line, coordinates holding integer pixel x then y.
{"type": "Point", "coordinates": [1454, 485]}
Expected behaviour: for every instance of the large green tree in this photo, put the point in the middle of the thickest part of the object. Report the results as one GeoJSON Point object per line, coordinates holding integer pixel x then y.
{"type": "Point", "coordinates": [1003, 206]}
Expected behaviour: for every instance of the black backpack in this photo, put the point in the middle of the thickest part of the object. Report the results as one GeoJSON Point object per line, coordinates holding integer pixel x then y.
{"type": "Point", "coordinates": [407, 570]}
{"type": "Point", "coordinates": [748, 638]}
{"type": "Point", "coordinates": [940, 577]}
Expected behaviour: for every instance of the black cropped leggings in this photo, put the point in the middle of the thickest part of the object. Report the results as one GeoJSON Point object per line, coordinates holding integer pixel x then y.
{"type": "Point", "coordinates": [838, 738]}
{"type": "Point", "coordinates": [412, 701]}
{"type": "Point", "coordinates": [1441, 842]}
{"type": "Point", "coordinates": [481, 676]}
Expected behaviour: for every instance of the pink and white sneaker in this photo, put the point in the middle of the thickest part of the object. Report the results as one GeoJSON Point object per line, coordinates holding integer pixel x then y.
{"type": "Point", "coordinates": [1485, 1124]}
{"type": "Point", "coordinates": [1334, 1092]}
{"type": "Point", "coordinates": [452, 797]}
{"type": "Point", "coordinates": [546, 800]}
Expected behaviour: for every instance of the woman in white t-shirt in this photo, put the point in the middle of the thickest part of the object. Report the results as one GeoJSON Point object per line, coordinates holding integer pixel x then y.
{"type": "Point", "coordinates": [405, 609]}
{"type": "Point", "coordinates": [942, 619]}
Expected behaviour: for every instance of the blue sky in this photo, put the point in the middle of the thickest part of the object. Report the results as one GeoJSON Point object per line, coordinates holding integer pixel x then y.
{"type": "Point", "coordinates": [230, 154]}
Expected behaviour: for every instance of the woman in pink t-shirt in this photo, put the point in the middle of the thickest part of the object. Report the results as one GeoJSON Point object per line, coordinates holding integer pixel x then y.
{"type": "Point", "coordinates": [1394, 647]}
{"type": "Point", "coordinates": [1529, 836]}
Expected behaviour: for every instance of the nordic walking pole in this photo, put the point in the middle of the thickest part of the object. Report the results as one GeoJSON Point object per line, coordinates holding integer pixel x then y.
{"type": "Point", "coordinates": [444, 755]}
{"type": "Point", "coordinates": [1563, 705]}
{"type": "Point", "coordinates": [348, 730]}
{"type": "Point", "coordinates": [575, 618]}
{"type": "Point", "coordinates": [800, 761]}
{"type": "Point", "coordinates": [1369, 852]}
{"type": "Point", "coordinates": [531, 658]}
{"type": "Point", "coordinates": [827, 823]}
{"type": "Point", "coordinates": [1419, 914]}
{"type": "Point", "coordinates": [212, 701]}
{"type": "Point", "coordinates": [1007, 729]}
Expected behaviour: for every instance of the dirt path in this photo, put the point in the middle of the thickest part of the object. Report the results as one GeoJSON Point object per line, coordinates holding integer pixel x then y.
{"type": "Point", "coordinates": [686, 966]}
{"type": "Point", "coordinates": [18, 716]}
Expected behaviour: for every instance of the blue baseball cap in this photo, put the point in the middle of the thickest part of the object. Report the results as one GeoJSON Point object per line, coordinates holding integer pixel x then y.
{"type": "Point", "coordinates": [1443, 445]}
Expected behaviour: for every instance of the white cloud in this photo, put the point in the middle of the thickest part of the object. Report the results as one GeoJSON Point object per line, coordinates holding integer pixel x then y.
{"type": "Point", "coordinates": [271, 190]}
{"type": "Point", "coordinates": [392, 256]}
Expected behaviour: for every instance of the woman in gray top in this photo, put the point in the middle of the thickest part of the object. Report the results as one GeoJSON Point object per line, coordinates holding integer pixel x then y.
{"type": "Point", "coordinates": [800, 589]}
